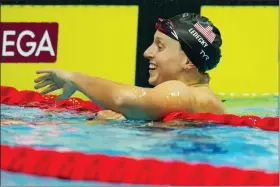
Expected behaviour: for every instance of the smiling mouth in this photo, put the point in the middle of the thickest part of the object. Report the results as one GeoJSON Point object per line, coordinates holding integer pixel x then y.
{"type": "Point", "coordinates": [152, 67]}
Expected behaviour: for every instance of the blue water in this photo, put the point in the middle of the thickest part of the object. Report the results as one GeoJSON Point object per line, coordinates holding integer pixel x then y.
{"type": "Point", "coordinates": [219, 145]}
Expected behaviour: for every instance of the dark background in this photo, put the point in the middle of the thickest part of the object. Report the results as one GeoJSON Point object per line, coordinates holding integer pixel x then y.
{"type": "Point", "coordinates": [149, 11]}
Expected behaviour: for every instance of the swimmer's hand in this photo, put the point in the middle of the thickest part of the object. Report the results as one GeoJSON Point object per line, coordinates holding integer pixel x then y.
{"type": "Point", "coordinates": [55, 79]}
{"type": "Point", "coordinates": [109, 115]}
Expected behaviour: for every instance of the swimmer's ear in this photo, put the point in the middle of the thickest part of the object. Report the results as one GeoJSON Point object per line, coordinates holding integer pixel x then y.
{"type": "Point", "coordinates": [188, 64]}
{"type": "Point", "coordinates": [184, 60]}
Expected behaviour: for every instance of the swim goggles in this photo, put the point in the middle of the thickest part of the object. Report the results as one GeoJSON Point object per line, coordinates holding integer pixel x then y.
{"type": "Point", "coordinates": [167, 27]}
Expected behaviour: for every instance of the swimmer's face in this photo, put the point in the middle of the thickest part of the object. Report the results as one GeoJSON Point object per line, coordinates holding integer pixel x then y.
{"type": "Point", "coordinates": [167, 60]}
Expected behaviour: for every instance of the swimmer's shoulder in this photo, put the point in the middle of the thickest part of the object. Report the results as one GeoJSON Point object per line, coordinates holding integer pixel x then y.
{"type": "Point", "coordinates": [178, 89]}
{"type": "Point", "coordinates": [207, 101]}
{"type": "Point", "coordinates": [174, 86]}
{"type": "Point", "coordinates": [195, 99]}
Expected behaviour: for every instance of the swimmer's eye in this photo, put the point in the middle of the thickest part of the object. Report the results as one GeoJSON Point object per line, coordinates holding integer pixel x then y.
{"type": "Point", "coordinates": [160, 47]}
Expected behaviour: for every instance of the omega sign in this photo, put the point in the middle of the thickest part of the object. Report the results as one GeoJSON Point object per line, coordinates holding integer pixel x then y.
{"type": "Point", "coordinates": [28, 42]}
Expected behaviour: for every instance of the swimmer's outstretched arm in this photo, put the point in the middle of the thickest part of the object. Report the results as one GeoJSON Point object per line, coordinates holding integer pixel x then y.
{"type": "Point", "coordinates": [131, 101]}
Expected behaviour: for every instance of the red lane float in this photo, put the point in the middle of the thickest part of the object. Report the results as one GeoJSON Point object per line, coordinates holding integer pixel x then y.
{"type": "Point", "coordinates": [117, 169]}
{"type": "Point", "coordinates": [11, 96]}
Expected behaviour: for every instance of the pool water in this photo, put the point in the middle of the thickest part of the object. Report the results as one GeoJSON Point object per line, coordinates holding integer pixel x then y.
{"type": "Point", "coordinates": [216, 144]}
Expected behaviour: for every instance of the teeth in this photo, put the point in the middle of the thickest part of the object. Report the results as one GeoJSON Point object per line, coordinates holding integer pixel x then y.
{"type": "Point", "coordinates": [152, 66]}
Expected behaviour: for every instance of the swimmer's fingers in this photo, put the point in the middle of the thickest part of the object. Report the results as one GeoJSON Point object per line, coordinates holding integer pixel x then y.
{"type": "Point", "coordinates": [68, 91]}
{"type": "Point", "coordinates": [42, 78]}
{"type": "Point", "coordinates": [49, 89]}
{"type": "Point", "coordinates": [43, 84]}
{"type": "Point", "coordinates": [45, 71]}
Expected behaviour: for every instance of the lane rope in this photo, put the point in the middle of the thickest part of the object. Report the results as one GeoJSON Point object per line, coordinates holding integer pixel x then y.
{"type": "Point", "coordinates": [118, 169]}
{"type": "Point", "coordinates": [28, 98]}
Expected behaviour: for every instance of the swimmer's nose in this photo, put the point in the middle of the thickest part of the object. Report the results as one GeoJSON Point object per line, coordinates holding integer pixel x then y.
{"type": "Point", "coordinates": [150, 52]}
